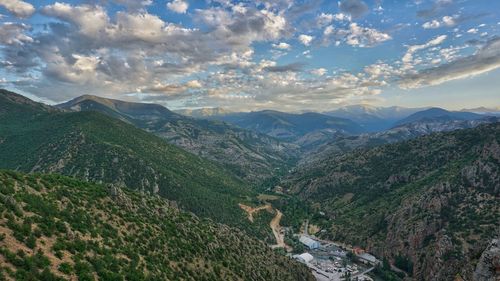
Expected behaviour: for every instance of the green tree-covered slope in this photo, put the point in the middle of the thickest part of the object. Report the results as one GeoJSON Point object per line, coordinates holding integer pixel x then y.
{"type": "Point", "coordinates": [59, 228]}
{"type": "Point", "coordinates": [94, 147]}
{"type": "Point", "coordinates": [430, 204]}
{"type": "Point", "coordinates": [251, 156]}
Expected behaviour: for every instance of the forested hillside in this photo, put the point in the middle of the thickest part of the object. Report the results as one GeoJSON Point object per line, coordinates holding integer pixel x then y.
{"type": "Point", "coordinates": [249, 155]}
{"type": "Point", "coordinates": [430, 205]}
{"type": "Point", "coordinates": [98, 148]}
{"type": "Point", "coordinates": [59, 228]}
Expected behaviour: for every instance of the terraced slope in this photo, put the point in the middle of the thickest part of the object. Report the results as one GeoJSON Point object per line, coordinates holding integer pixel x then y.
{"type": "Point", "coordinates": [430, 205]}
{"type": "Point", "coordinates": [58, 228]}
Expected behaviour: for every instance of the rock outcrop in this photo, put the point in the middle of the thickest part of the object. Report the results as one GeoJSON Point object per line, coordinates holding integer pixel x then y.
{"type": "Point", "coordinates": [488, 267]}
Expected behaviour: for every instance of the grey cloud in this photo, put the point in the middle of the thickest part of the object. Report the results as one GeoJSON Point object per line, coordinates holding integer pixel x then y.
{"type": "Point", "coordinates": [90, 51]}
{"type": "Point", "coordinates": [436, 7]}
{"type": "Point", "coordinates": [356, 8]}
{"type": "Point", "coordinates": [292, 67]}
{"type": "Point", "coordinates": [298, 10]}
{"type": "Point", "coordinates": [487, 58]}
{"type": "Point", "coordinates": [357, 35]}
{"type": "Point", "coordinates": [19, 59]}
{"type": "Point", "coordinates": [14, 34]}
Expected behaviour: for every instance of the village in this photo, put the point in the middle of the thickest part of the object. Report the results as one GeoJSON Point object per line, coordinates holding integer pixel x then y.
{"type": "Point", "coordinates": [327, 260]}
{"type": "Point", "coordinates": [330, 261]}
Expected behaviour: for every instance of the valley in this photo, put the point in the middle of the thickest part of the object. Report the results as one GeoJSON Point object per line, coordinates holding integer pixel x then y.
{"type": "Point", "coordinates": [322, 197]}
{"type": "Point", "coordinates": [231, 140]}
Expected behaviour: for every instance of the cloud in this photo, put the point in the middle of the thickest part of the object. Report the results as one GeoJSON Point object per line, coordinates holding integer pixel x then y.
{"type": "Point", "coordinates": [282, 46]}
{"type": "Point", "coordinates": [245, 25]}
{"type": "Point", "coordinates": [362, 36]}
{"type": "Point", "coordinates": [178, 6]}
{"type": "Point", "coordinates": [228, 56]}
{"type": "Point", "coordinates": [91, 20]}
{"type": "Point", "coordinates": [292, 67]}
{"type": "Point", "coordinates": [194, 84]}
{"type": "Point", "coordinates": [408, 59]}
{"type": "Point", "coordinates": [170, 90]}
{"type": "Point", "coordinates": [134, 4]}
{"type": "Point", "coordinates": [487, 58]}
{"type": "Point", "coordinates": [342, 17]}
{"type": "Point", "coordinates": [329, 30]}
{"type": "Point", "coordinates": [131, 50]}
{"type": "Point", "coordinates": [13, 34]}
{"type": "Point", "coordinates": [354, 35]}
{"type": "Point", "coordinates": [297, 10]}
{"type": "Point", "coordinates": [436, 7]}
{"type": "Point", "coordinates": [319, 71]}
{"type": "Point", "coordinates": [324, 19]}
{"type": "Point", "coordinates": [447, 21]}
{"type": "Point", "coordinates": [356, 8]}
{"type": "Point", "coordinates": [305, 39]}
{"type": "Point", "coordinates": [431, 24]}
{"type": "Point", "coordinates": [18, 8]}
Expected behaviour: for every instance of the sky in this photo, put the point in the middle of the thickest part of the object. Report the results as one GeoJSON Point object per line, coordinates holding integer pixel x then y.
{"type": "Point", "coordinates": [288, 55]}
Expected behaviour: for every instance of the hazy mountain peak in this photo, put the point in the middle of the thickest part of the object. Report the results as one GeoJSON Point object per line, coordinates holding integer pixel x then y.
{"type": "Point", "coordinates": [484, 110]}
{"type": "Point", "coordinates": [438, 113]}
{"type": "Point", "coordinates": [121, 109]}
{"type": "Point", "coordinates": [203, 112]}
{"type": "Point", "coordinates": [373, 118]}
{"type": "Point", "coordinates": [10, 101]}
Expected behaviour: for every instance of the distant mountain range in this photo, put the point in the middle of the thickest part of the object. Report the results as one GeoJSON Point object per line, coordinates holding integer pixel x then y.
{"type": "Point", "coordinates": [341, 144]}
{"type": "Point", "coordinates": [203, 112]}
{"type": "Point", "coordinates": [373, 118]}
{"type": "Point", "coordinates": [370, 118]}
{"type": "Point", "coordinates": [288, 126]}
{"type": "Point", "coordinates": [484, 110]}
{"type": "Point", "coordinates": [436, 114]}
{"type": "Point", "coordinates": [250, 155]}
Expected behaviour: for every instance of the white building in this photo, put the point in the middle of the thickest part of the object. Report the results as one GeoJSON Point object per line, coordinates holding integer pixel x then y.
{"type": "Point", "coordinates": [368, 259]}
{"type": "Point", "coordinates": [311, 243]}
{"type": "Point", "coordinates": [304, 258]}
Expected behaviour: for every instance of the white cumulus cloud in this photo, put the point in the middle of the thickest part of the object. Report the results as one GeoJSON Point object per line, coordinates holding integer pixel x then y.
{"type": "Point", "coordinates": [18, 7]}
{"type": "Point", "coordinates": [282, 46]}
{"type": "Point", "coordinates": [178, 6]}
{"type": "Point", "coordinates": [306, 39]}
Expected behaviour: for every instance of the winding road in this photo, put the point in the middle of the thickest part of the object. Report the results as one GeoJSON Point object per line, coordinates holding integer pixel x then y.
{"type": "Point", "coordinates": [274, 224]}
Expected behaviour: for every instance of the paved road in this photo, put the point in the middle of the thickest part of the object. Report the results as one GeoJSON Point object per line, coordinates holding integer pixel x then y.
{"type": "Point", "coordinates": [366, 271]}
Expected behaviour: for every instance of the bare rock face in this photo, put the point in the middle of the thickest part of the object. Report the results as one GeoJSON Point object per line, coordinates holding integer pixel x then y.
{"type": "Point", "coordinates": [488, 267]}
{"type": "Point", "coordinates": [117, 194]}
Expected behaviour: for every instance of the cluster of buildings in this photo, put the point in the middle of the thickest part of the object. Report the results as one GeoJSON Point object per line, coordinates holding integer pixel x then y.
{"type": "Point", "coordinates": [309, 242]}
{"type": "Point", "coordinates": [365, 257]}
{"type": "Point", "coordinates": [328, 261]}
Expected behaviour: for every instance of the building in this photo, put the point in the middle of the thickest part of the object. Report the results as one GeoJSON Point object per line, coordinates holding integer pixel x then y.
{"type": "Point", "coordinates": [358, 251]}
{"type": "Point", "coordinates": [368, 259]}
{"type": "Point", "coordinates": [310, 243]}
{"type": "Point", "coordinates": [304, 258]}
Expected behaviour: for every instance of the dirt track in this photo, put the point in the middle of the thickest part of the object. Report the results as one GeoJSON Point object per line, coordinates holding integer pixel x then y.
{"type": "Point", "coordinates": [250, 210]}
{"type": "Point", "coordinates": [274, 224]}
